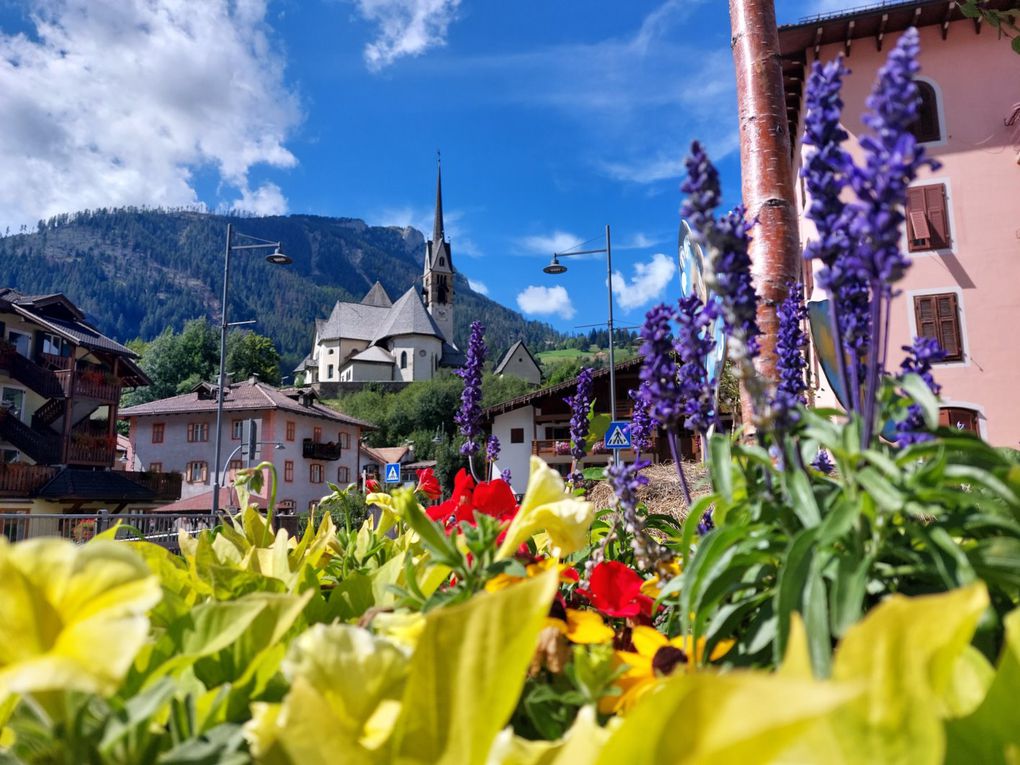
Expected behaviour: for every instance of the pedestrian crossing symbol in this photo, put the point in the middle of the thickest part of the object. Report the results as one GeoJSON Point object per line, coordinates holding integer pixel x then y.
{"type": "Point", "coordinates": [618, 435]}
{"type": "Point", "coordinates": [392, 472]}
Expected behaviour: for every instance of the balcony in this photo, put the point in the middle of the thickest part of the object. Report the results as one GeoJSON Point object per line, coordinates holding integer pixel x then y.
{"type": "Point", "coordinates": [17, 480]}
{"type": "Point", "coordinates": [312, 450]}
{"type": "Point", "coordinates": [90, 383]}
{"type": "Point", "coordinates": [547, 449]}
{"type": "Point", "coordinates": [91, 445]}
{"type": "Point", "coordinates": [165, 486]}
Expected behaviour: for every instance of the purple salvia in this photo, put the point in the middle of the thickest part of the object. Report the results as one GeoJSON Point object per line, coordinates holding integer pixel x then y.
{"type": "Point", "coordinates": [694, 343]}
{"type": "Point", "coordinates": [580, 408]}
{"type": "Point", "coordinates": [703, 194]}
{"type": "Point", "coordinates": [492, 449]}
{"type": "Point", "coordinates": [469, 417]}
{"type": "Point", "coordinates": [505, 475]}
{"type": "Point", "coordinates": [822, 462]}
{"type": "Point", "coordinates": [626, 480]}
{"type": "Point", "coordinates": [924, 352]}
{"type": "Point", "coordinates": [641, 425]}
{"type": "Point", "coordinates": [659, 387]}
{"type": "Point", "coordinates": [790, 360]}
{"type": "Point", "coordinates": [706, 523]}
{"type": "Point", "coordinates": [731, 278]}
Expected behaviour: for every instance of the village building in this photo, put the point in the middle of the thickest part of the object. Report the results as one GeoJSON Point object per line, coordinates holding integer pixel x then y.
{"type": "Point", "coordinates": [961, 219]}
{"type": "Point", "coordinates": [60, 384]}
{"type": "Point", "coordinates": [380, 340]}
{"type": "Point", "coordinates": [307, 443]}
{"type": "Point", "coordinates": [518, 362]}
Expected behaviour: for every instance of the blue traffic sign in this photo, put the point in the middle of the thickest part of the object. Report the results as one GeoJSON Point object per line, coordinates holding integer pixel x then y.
{"type": "Point", "coordinates": [392, 474]}
{"type": "Point", "coordinates": [618, 435]}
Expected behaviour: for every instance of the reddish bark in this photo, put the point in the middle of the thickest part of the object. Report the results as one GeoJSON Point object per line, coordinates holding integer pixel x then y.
{"type": "Point", "coordinates": [768, 187]}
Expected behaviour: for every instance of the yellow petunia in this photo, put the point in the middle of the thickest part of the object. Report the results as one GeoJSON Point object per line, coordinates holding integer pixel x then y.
{"type": "Point", "coordinates": [548, 507]}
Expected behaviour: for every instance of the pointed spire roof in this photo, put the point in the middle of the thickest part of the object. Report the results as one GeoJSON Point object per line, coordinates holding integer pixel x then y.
{"type": "Point", "coordinates": [377, 296]}
{"type": "Point", "coordinates": [438, 232]}
{"type": "Point", "coordinates": [408, 316]}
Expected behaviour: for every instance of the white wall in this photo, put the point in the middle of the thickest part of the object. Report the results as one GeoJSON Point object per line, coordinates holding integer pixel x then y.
{"type": "Point", "coordinates": [517, 457]}
{"type": "Point", "coordinates": [521, 365]}
{"type": "Point", "coordinates": [420, 366]}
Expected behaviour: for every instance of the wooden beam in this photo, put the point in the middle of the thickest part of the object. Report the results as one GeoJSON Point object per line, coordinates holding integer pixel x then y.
{"type": "Point", "coordinates": [880, 34]}
{"type": "Point", "coordinates": [917, 17]}
{"type": "Point", "coordinates": [818, 42]}
{"type": "Point", "coordinates": [849, 36]}
{"type": "Point", "coordinates": [948, 17]}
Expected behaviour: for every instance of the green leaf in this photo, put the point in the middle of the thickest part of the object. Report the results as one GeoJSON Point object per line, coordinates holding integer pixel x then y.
{"type": "Point", "coordinates": [467, 673]}
{"type": "Point", "coordinates": [805, 506]}
{"type": "Point", "coordinates": [720, 465]}
{"type": "Point", "coordinates": [878, 487]}
{"type": "Point", "coordinates": [919, 391]}
{"type": "Point", "coordinates": [790, 591]}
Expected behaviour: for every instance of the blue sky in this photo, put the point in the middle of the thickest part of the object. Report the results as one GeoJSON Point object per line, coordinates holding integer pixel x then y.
{"type": "Point", "coordinates": [554, 119]}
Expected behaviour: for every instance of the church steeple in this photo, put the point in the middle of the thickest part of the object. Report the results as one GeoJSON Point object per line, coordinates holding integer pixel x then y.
{"type": "Point", "coordinates": [437, 282]}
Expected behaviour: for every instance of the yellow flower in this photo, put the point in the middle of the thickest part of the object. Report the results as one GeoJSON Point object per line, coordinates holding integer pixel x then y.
{"type": "Point", "coordinates": [651, 586]}
{"type": "Point", "coordinates": [73, 617]}
{"type": "Point", "coordinates": [548, 507]}
{"type": "Point", "coordinates": [656, 656]}
{"type": "Point", "coordinates": [586, 627]}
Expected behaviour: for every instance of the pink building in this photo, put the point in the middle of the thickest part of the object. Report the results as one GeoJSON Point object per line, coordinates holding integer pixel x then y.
{"type": "Point", "coordinates": [316, 444]}
{"type": "Point", "coordinates": [963, 220]}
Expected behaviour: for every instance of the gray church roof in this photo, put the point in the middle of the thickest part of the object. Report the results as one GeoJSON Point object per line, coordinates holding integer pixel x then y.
{"type": "Point", "coordinates": [353, 320]}
{"type": "Point", "coordinates": [374, 354]}
{"type": "Point", "coordinates": [408, 316]}
{"type": "Point", "coordinates": [377, 296]}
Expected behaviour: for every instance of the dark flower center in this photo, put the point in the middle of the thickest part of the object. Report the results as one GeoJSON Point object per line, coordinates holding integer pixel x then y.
{"type": "Point", "coordinates": [666, 659]}
{"type": "Point", "coordinates": [557, 611]}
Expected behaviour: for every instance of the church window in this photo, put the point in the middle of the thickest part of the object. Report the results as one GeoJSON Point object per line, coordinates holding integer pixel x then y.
{"type": "Point", "coordinates": [403, 359]}
{"type": "Point", "coordinates": [442, 261]}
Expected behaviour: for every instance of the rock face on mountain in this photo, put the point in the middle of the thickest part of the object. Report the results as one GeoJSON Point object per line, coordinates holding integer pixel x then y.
{"type": "Point", "coordinates": [136, 272]}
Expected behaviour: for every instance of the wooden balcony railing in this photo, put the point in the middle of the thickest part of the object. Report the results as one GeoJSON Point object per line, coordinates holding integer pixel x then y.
{"type": "Point", "coordinates": [311, 450]}
{"type": "Point", "coordinates": [78, 384]}
{"type": "Point", "coordinates": [18, 480]}
{"type": "Point", "coordinates": [552, 448]}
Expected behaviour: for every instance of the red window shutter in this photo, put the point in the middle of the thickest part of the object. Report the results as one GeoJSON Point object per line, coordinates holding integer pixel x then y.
{"type": "Point", "coordinates": [937, 214]}
{"type": "Point", "coordinates": [949, 326]}
{"type": "Point", "coordinates": [924, 312]}
{"type": "Point", "coordinates": [918, 233]}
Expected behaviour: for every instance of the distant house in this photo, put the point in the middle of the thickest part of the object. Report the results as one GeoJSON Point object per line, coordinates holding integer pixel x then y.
{"type": "Point", "coordinates": [539, 423]}
{"type": "Point", "coordinates": [318, 444]}
{"type": "Point", "coordinates": [518, 362]}
{"type": "Point", "coordinates": [378, 340]}
{"type": "Point", "coordinates": [961, 219]}
{"type": "Point", "coordinates": [60, 385]}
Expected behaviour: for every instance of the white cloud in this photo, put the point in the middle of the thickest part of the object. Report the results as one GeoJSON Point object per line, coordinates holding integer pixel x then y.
{"type": "Point", "coordinates": [478, 287]}
{"type": "Point", "coordinates": [649, 282]}
{"type": "Point", "coordinates": [547, 244]}
{"type": "Point", "coordinates": [546, 301]}
{"type": "Point", "coordinates": [405, 27]}
{"type": "Point", "coordinates": [119, 102]}
{"type": "Point", "coordinates": [638, 241]}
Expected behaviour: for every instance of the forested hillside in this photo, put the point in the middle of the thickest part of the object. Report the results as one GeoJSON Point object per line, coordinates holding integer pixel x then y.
{"type": "Point", "coordinates": [136, 272]}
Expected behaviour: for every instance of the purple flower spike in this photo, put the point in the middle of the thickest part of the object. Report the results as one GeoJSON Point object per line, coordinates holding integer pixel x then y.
{"type": "Point", "coordinates": [469, 417]}
{"type": "Point", "coordinates": [580, 406]}
{"type": "Point", "coordinates": [920, 356]}
{"type": "Point", "coordinates": [731, 278]}
{"type": "Point", "coordinates": [790, 360]}
{"type": "Point", "coordinates": [492, 449]}
{"type": "Point", "coordinates": [659, 386]}
{"type": "Point", "coordinates": [505, 475]}
{"type": "Point", "coordinates": [641, 425]}
{"type": "Point", "coordinates": [822, 462]}
{"type": "Point", "coordinates": [703, 193]}
{"type": "Point", "coordinates": [694, 342]}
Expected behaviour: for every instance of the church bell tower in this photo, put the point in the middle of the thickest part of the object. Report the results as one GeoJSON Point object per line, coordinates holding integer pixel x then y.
{"type": "Point", "coordinates": [437, 284]}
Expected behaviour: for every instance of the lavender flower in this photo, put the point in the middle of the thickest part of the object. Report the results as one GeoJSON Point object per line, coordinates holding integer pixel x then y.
{"type": "Point", "coordinates": [659, 387]}
{"type": "Point", "coordinates": [924, 352]}
{"type": "Point", "coordinates": [505, 475]}
{"type": "Point", "coordinates": [893, 159]}
{"type": "Point", "coordinates": [626, 480]}
{"type": "Point", "coordinates": [694, 342]}
{"type": "Point", "coordinates": [469, 417]}
{"type": "Point", "coordinates": [706, 523]}
{"type": "Point", "coordinates": [641, 425]}
{"type": "Point", "coordinates": [822, 462]}
{"type": "Point", "coordinates": [580, 407]}
{"type": "Point", "coordinates": [703, 193]}
{"type": "Point", "coordinates": [731, 279]}
{"type": "Point", "coordinates": [790, 361]}
{"type": "Point", "coordinates": [492, 449]}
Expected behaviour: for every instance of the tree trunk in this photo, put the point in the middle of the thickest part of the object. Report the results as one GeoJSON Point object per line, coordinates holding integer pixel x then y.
{"type": "Point", "coordinates": [768, 187]}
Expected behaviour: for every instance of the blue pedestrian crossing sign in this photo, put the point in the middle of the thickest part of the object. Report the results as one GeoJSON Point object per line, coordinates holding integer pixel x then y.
{"type": "Point", "coordinates": [618, 435]}
{"type": "Point", "coordinates": [392, 474]}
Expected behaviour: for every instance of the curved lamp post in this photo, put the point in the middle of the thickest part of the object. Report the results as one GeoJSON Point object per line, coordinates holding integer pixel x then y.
{"type": "Point", "coordinates": [556, 268]}
{"type": "Point", "coordinates": [276, 258]}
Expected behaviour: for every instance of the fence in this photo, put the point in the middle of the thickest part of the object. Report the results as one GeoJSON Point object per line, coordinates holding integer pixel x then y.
{"type": "Point", "coordinates": [159, 528]}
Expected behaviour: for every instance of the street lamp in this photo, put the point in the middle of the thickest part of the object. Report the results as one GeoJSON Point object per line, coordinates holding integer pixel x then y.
{"type": "Point", "coordinates": [226, 463]}
{"type": "Point", "coordinates": [555, 268]}
{"type": "Point", "coordinates": [276, 258]}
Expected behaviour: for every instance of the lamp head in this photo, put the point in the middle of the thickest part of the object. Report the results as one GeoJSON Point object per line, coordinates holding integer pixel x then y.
{"type": "Point", "coordinates": [278, 258]}
{"type": "Point", "coordinates": [555, 267]}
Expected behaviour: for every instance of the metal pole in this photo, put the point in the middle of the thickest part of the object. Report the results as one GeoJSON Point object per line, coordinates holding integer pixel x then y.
{"type": "Point", "coordinates": [612, 354]}
{"type": "Point", "coordinates": [223, 375]}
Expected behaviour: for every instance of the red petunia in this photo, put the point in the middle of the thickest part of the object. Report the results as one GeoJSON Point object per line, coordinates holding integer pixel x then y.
{"type": "Point", "coordinates": [496, 498]}
{"type": "Point", "coordinates": [371, 485]}
{"type": "Point", "coordinates": [615, 590]}
{"type": "Point", "coordinates": [459, 507]}
{"type": "Point", "coordinates": [428, 484]}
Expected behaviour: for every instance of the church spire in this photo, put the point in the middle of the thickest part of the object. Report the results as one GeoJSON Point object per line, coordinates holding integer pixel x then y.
{"type": "Point", "coordinates": [438, 234]}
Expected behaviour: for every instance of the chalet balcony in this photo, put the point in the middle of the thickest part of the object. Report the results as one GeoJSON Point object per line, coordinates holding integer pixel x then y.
{"type": "Point", "coordinates": [90, 383]}
{"type": "Point", "coordinates": [549, 449]}
{"type": "Point", "coordinates": [17, 480]}
{"type": "Point", "coordinates": [312, 450]}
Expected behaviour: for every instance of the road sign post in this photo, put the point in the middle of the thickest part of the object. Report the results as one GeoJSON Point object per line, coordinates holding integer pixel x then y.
{"type": "Point", "coordinates": [618, 435]}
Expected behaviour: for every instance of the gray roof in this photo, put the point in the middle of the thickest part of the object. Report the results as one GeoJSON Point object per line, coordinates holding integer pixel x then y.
{"type": "Point", "coordinates": [408, 316]}
{"type": "Point", "coordinates": [103, 485]}
{"type": "Point", "coordinates": [61, 316]}
{"type": "Point", "coordinates": [452, 356]}
{"type": "Point", "coordinates": [374, 354]}
{"type": "Point", "coordinates": [377, 296]}
{"type": "Point", "coordinates": [509, 355]}
{"type": "Point", "coordinates": [353, 320]}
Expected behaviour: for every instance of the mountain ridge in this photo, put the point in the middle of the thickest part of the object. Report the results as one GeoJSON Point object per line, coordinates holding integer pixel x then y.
{"type": "Point", "coordinates": [136, 272]}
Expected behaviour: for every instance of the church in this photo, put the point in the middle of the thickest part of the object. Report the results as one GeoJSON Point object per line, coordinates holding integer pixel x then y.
{"type": "Point", "coordinates": [382, 340]}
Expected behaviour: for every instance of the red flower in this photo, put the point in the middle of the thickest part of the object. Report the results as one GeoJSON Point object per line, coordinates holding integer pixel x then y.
{"type": "Point", "coordinates": [459, 507]}
{"type": "Point", "coordinates": [428, 484]}
{"type": "Point", "coordinates": [615, 590]}
{"type": "Point", "coordinates": [371, 485]}
{"type": "Point", "coordinates": [496, 498]}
